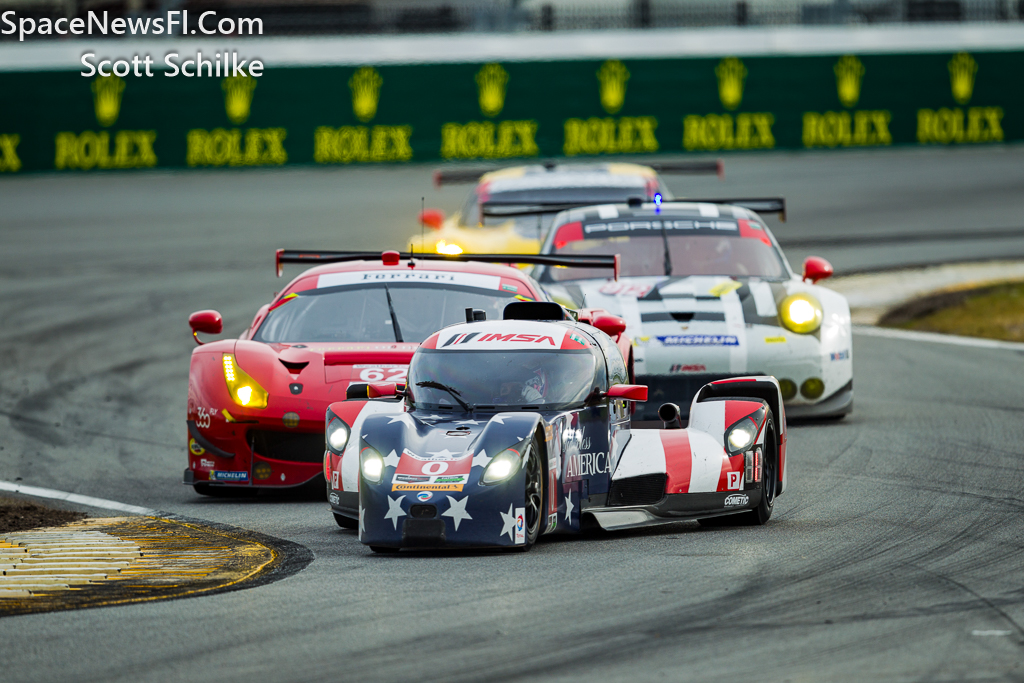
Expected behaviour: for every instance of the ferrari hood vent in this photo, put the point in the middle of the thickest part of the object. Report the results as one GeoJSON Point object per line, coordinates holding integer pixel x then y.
{"type": "Point", "coordinates": [294, 367]}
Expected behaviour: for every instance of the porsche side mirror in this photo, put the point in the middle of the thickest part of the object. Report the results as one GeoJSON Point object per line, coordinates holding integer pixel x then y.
{"type": "Point", "coordinates": [817, 268]}
{"type": "Point", "coordinates": [207, 322]}
{"type": "Point", "coordinates": [363, 391]}
{"type": "Point", "coordinates": [432, 218]}
{"type": "Point", "coordinates": [612, 325]}
{"type": "Point", "coordinates": [630, 392]}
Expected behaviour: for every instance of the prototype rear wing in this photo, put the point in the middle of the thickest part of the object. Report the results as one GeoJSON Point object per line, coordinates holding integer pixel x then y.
{"type": "Point", "coordinates": [716, 166]}
{"type": "Point", "coordinates": [776, 205]}
{"type": "Point", "coordinates": [512, 209]}
{"type": "Point", "coordinates": [283, 256]}
{"type": "Point", "coordinates": [457, 176]}
{"type": "Point", "coordinates": [460, 176]}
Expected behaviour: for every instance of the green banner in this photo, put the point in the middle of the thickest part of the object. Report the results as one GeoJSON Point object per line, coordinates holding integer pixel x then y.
{"type": "Point", "coordinates": [514, 110]}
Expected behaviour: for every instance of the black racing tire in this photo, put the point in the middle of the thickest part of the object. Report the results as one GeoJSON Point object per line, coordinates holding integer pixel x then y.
{"type": "Point", "coordinates": [383, 550]}
{"type": "Point", "coordinates": [346, 522]}
{"type": "Point", "coordinates": [536, 469]}
{"type": "Point", "coordinates": [222, 491]}
{"type": "Point", "coordinates": [769, 487]}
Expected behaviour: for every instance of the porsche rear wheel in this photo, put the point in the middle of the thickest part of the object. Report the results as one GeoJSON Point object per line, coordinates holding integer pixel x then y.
{"type": "Point", "coordinates": [534, 491]}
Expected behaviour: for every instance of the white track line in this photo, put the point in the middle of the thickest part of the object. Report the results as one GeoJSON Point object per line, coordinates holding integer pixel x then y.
{"type": "Point", "coordinates": [910, 335]}
{"type": "Point", "coordinates": [74, 498]}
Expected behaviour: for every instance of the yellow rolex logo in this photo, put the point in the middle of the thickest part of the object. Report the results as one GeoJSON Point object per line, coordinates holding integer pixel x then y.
{"type": "Point", "coordinates": [238, 97]}
{"type": "Point", "coordinates": [365, 84]}
{"type": "Point", "coordinates": [491, 81]}
{"type": "Point", "coordinates": [613, 76]}
{"type": "Point", "coordinates": [849, 72]}
{"type": "Point", "coordinates": [106, 94]}
{"type": "Point", "coordinates": [962, 69]}
{"type": "Point", "coordinates": [731, 74]}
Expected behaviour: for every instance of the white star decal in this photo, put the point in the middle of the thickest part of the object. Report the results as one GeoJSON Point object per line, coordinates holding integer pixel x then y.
{"type": "Point", "coordinates": [467, 422]}
{"type": "Point", "coordinates": [497, 418]}
{"type": "Point", "coordinates": [508, 523]}
{"type": "Point", "coordinates": [444, 453]}
{"type": "Point", "coordinates": [394, 510]}
{"type": "Point", "coordinates": [481, 459]}
{"type": "Point", "coordinates": [397, 418]}
{"type": "Point", "coordinates": [457, 511]}
{"type": "Point", "coordinates": [362, 527]}
{"type": "Point", "coordinates": [568, 506]}
{"type": "Point", "coordinates": [432, 417]}
{"type": "Point", "coordinates": [391, 460]}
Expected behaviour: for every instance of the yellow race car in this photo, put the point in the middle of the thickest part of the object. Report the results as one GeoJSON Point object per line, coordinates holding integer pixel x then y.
{"type": "Point", "coordinates": [511, 209]}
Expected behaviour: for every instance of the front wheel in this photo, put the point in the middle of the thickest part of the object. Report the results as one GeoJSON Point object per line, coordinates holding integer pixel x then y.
{"type": "Point", "coordinates": [535, 471]}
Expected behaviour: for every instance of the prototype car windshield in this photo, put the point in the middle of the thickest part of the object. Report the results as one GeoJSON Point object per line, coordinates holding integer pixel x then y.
{"type": "Point", "coordinates": [726, 255]}
{"type": "Point", "coordinates": [499, 379]}
{"type": "Point", "coordinates": [363, 314]}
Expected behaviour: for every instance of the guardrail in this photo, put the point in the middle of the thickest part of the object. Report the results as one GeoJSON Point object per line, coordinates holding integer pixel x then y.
{"type": "Point", "coordinates": [397, 113]}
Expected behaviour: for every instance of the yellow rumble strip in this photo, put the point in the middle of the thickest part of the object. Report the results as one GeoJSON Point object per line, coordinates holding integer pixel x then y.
{"type": "Point", "coordinates": [118, 560]}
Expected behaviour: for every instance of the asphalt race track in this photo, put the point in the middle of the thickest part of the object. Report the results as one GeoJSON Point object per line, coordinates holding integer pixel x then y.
{"type": "Point", "coordinates": [896, 554]}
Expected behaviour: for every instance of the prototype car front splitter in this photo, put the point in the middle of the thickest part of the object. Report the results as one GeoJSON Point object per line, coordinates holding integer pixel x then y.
{"type": "Point", "coordinates": [676, 507]}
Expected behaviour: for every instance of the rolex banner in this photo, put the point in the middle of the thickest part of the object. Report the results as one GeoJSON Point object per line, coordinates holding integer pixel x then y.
{"type": "Point", "coordinates": [513, 110]}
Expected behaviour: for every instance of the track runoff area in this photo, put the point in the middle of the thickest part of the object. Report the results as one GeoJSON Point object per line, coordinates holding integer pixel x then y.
{"type": "Point", "coordinates": [894, 553]}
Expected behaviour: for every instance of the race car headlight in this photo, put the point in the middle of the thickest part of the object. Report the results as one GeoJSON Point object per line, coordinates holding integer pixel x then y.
{"type": "Point", "coordinates": [337, 434]}
{"type": "Point", "coordinates": [740, 436]}
{"type": "Point", "coordinates": [244, 390]}
{"type": "Point", "coordinates": [371, 464]}
{"type": "Point", "coordinates": [502, 466]}
{"type": "Point", "coordinates": [800, 313]}
{"type": "Point", "coordinates": [452, 249]}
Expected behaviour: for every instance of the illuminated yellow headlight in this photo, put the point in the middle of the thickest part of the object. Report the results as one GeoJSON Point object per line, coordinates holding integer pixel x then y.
{"type": "Point", "coordinates": [800, 313]}
{"type": "Point", "coordinates": [443, 247]}
{"type": "Point", "coordinates": [244, 390]}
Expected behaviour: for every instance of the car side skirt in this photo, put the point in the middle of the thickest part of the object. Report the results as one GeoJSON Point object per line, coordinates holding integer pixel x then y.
{"type": "Point", "coordinates": [674, 508]}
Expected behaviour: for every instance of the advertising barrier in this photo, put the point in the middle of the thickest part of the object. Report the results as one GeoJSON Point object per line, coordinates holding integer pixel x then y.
{"type": "Point", "coordinates": [394, 113]}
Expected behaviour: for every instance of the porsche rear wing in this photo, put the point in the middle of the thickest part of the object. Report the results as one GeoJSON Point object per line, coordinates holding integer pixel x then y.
{"type": "Point", "coordinates": [456, 176]}
{"type": "Point", "coordinates": [283, 256]}
{"type": "Point", "coordinates": [776, 205]}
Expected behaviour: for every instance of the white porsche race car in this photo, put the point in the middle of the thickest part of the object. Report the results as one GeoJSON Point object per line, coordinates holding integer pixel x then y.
{"type": "Point", "coordinates": [707, 294]}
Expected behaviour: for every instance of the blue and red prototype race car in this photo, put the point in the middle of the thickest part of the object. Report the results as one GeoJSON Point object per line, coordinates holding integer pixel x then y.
{"type": "Point", "coordinates": [518, 427]}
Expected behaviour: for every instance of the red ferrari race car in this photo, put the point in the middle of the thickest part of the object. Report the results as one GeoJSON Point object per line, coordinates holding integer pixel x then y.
{"type": "Point", "coordinates": [256, 404]}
